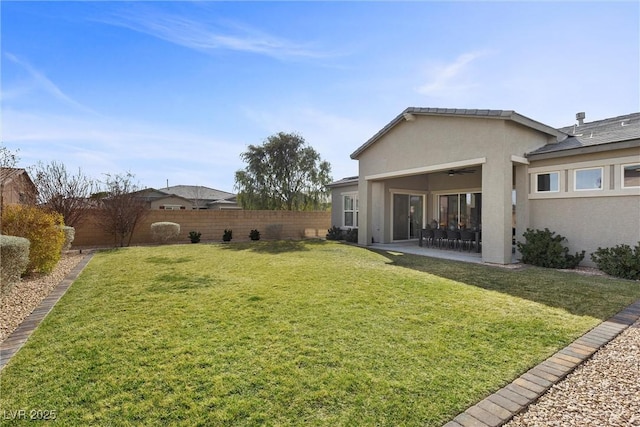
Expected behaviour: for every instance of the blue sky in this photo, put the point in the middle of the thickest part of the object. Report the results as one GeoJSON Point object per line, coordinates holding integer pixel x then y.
{"type": "Point", "coordinates": [177, 90]}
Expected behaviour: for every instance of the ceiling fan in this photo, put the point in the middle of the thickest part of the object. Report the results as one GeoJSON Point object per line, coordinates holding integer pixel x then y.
{"type": "Point", "coordinates": [452, 172]}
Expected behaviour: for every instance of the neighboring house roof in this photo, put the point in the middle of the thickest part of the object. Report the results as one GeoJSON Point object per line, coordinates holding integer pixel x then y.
{"type": "Point", "coordinates": [350, 180]}
{"type": "Point", "coordinates": [150, 194]}
{"type": "Point", "coordinates": [170, 197]}
{"type": "Point", "coordinates": [198, 192]}
{"type": "Point", "coordinates": [9, 174]}
{"type": "Point", "coordinates": [221, 202]}
{"type": "Point", "coordinates": [410, 112]}
{"type": "Point", "coordinates": [192, 194]}
{"type": "Point", "coordinates": [614, 132]}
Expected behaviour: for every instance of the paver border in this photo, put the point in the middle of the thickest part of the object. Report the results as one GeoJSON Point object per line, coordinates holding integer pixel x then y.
{"type": "Point", "coordinates": [21, 334]}
{"type": "Point", "coordinates": [500, 407]}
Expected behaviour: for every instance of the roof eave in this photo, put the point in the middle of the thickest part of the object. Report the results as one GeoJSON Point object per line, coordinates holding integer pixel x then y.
{"type": "Point", "coordinates": [379, 134]}
{"type": "Point", "coordinates": [599, 148]}
{"type": "Point", "coordinates": [342, 184]}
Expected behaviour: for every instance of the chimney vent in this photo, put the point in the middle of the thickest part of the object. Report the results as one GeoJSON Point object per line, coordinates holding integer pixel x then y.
{"type": "Point", "coordinates": [580, 118]}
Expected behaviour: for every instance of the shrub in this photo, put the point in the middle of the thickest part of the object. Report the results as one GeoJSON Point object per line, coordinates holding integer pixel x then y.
{"type": "Point", "coordinates": [162, 232]}
{"type": "Point", "coordinates": [69, 237]}
{"type": "Point", "coordinates": [227, 235]}
{"type": "Point", "coordinates": [14, 253]}
{"type": "Point", "coordinates": [334, 233]}
{"type": "Point", "coordinates": [352, 235]}
{"type": "Point", "coordinates": [254, 235]}
{"type": "Point", "coordinates": [620, 261]}
{"type": "Point", "coordinates": [194, 236]}
{"type": "Point", "coordinates": [545, 249]}
{"type": "Point", "coordinates": [42, 229]}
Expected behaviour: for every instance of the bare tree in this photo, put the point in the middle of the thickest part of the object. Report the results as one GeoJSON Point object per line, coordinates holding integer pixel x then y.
{"type": "Point", "coordinates": [62, 192]}
{"type": "Point", "coordinates": [8, 161]}
{"type": "Point", "coordinates": [196, 193]}
{"type": "Point", "coordinates": [121, 207]}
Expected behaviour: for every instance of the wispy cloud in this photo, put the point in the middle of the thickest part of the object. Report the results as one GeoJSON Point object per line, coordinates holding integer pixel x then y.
{"type": "Point", "coordinates": [451, 78]}
{"type": "Point", "coordinates": [41, 82]}
{"type": "Point", "coordinates": [101, 144]}
{"type": "Point", "coordinates": [199, 35]}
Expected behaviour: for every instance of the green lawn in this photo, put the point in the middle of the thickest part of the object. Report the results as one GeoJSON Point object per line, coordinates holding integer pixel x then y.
{"type": "Point", "coordinates": [294, 333]}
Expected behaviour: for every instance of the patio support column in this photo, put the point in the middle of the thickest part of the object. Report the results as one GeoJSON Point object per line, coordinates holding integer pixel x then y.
{"type": "Point", "coordinates": [497, 176]}
{"type": "Point", "coordinates": [365, 211]}
{"type": "Point", "coordinates": [522, 203]}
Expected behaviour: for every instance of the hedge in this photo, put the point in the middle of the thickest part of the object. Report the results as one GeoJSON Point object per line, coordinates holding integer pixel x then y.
{"type": "Point", "coordinates": [14, 253]}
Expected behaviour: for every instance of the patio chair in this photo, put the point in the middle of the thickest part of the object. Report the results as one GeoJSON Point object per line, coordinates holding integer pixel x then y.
{"type": "Point", "coordinates": [453, 238]}
{"type": "Point", "coordinates": [426, 237]}
{"type": "Point", "coordinates": [439, 236]}
{"type": "Point", "coordinates": [467, 237]}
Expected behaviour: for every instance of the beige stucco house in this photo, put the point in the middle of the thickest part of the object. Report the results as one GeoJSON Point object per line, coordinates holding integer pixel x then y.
{"type": "Point", "coordinates": [498, 172]}
{"type": "Point", "coordinates": [16, 187]}
{"type": "Point", "coordinates": [189, 197]}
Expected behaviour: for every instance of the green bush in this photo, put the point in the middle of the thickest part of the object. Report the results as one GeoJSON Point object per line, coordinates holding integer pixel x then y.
{"type": "Point", "coordinates": [43, 229]}
{"type": "Point", "coordinates": [334, 233]}
{"type": "Point", "coordinates": [544, 248]}
{"type": "Point", "coordinates": [69, 237]}
{"type": "Point", "coordinates": [227, 235]}
{"type": "Point", "coordinates": [620, 261]}
{"type": "Point", "coordinates": [194, 236]}
{"type": "Point", "coordinates": [14, 253]}
{"type": "Point", "coordinates": [164, 231]}
{"type": "Point", "coordinates": [352, 235]}
{"type": "Point", "coordinates": [254, 235]}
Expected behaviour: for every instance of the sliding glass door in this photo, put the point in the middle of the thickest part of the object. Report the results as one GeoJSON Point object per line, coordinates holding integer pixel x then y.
{"type": "Point", "coordinates": [461, 210]}
{"type": "Point", "coordinates": [407, 216]}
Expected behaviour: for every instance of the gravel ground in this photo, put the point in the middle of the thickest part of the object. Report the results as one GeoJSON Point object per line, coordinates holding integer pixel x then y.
{"type": "Point", "coordinates": [26, 295]}
{"type": "Point", "coordinates": [604, 391]}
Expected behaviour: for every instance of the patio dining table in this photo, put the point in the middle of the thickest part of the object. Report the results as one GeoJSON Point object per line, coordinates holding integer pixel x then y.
{"type": "Point", "coordinates": [432, 234]}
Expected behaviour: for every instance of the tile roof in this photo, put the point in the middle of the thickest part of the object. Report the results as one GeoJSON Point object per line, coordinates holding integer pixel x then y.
{"type": "Point", "coordinates": [344, 181]}
{"type": "Point", "coordinates": [596, 133]}
{"type": "Point", "coordinates": [197, 192]}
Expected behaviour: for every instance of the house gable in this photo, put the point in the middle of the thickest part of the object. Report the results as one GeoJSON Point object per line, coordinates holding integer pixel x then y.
{"type": "Point", "coordinates": [432, 142]}
{"type": "Point", "coordinates": [17, 187]}
{"type": "Point", "coordinates": [412, 113]}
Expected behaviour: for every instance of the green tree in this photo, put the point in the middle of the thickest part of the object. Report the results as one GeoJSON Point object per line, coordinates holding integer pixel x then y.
{"type": "Point", "coordinates": [283, 173]}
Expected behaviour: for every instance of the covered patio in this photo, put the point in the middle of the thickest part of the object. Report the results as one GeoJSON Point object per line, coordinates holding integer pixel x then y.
{"type": "Point", "coordinates": [411, 247]}
{"type": "Point", "coordinates": [458, 170]}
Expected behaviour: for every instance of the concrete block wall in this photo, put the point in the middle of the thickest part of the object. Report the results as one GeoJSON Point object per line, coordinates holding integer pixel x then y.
{"type": "Point", "coordinates": [212, 223]}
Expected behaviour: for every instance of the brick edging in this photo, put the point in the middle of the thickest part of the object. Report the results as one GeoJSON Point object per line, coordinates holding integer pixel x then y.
{"type": "Point", "coordinates": [499, 408]}
{"type": "Point", "coordinates": [21, 334]}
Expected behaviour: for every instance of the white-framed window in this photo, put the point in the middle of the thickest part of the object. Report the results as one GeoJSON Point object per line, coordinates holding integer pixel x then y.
{"type": "Point", "coordinates": [631, 176]}
{"type": "Point", "coordinates": [350, 210]}
{"type": "Point", "coordinates": [587, 179]}
{"type": "Point", "coordinates": [548, 182]}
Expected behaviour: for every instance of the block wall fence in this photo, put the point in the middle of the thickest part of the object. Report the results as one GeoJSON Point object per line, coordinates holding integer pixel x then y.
{"type": "Point", "coordinates": [212, 223]}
